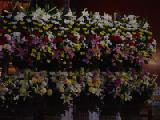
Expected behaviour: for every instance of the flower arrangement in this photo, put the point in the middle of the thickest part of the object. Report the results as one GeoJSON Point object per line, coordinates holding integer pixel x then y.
{"type": "Point", "coordinates": [91, 53]}
{"type": "Point", "coordinates": [65, 40]}
{"type": "Point", "coordinates": [120, 85]}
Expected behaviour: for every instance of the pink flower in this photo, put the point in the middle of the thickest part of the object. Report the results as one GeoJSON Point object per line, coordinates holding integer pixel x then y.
{"type": "Point", "coordinates": [118, 50]}
{"type": "Point", "coordinates": [8, 37]}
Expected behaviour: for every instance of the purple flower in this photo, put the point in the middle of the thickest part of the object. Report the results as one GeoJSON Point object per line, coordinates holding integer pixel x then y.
{"type": "Point", "coordinates": [118, 82]}
{"type": "Point", "coordinates": [21, 52]}
{"type": "Point", "coordinates": [90, 52]}
{"type": "Point", "coordinates": [57, 54]}
{"type": "Point", "coordinates": [85, 60]}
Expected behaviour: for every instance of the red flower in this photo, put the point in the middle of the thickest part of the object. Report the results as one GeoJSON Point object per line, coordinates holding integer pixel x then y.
{"type": "Point", "coordinates": [2, 31]}
{"type": "Point", "coordinates": [58, 40]}
{"type": "Point", "coordinates": [3, 40]}
{"type": "Point", "coordinates": [45, 39]}
{"type": "Point", "coordinates": [131, 43]}
{"type": "Point", "coordinates": [37, 34]}
{"type": "Point", "coordinates": [29, 39]}
{"type": "Point", "coordinates": [116, 39]}
{"type": "Point", "coordinates": [150, 40]}
{"type": "Point", "coordinates": [72, 37]}
{"type": "Point", "coordinates": [137, 35]}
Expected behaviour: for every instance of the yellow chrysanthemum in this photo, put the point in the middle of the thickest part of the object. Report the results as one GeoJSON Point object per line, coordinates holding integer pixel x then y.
{"type": "Point", "coordinates": [48, 61]}
{"type": "Point", "coordinates": [4, 21]}
{"type": "Point", "coordinates": [87, 33]}
{"type": "Point", "coordinates": [90, 84]}
{"type": "Point", "coordinates": [125, 76]}
{"type": "Point", "coordinates": [110, 30]}
{"type": "Point", "coordinates": [59, 34]}
{"type": "Point", "coordinates": [24, 27]}
{"type": "Point", "coordinates": [22, 91]}
{"type": "Point", "coordinates": [55, 28]}
{"type": "Point", "coordinates": [145, 54]}
{"type": "Point", "coordinates": [141, 30]}
{"type": "Point", "coordinates": [22, 22]}
{"type": "Point", "coordinates": [40, 30]}
{"type": "Point", "coordinates": [33, 54]}
{"type": "Point", "coordinates": [121, 27]}
{"type": "Point", "coordinates": [49, 92]}
{"type": "Point", "coordinates": [61, 89]}
{"type": "Point", "coordinates": [69, 82]}
{"type": "Point", "coordinates": [102, 33]}
{"type": "Point", "coordinates": [87, 25]}
{"type": "Point", "coordinates": [40, 24]}
{"type": "Point", "coordinates": [62, 54]}
{"type": "Point", "coordinates": [78, 47]}
{"type": "Point", "coordinates": [78, 24]}
{"type": "Point", "coordinates": [49, 50]}
{"type": "Point", "coordinates": [50, 25]}
{"type": "Point", "coordinates": [9, 30]}
{"type": "Point", "coordinates": [70, 26]}
{"type": "Point", "coordinates": [45, 27]}
{"type": "Point", "coordinates": [92, 90]}
{"type": "Point", "coordinates": [73, 32]}
{"type": "Point", "coordinates": [77, 29]}
{"type": "Point", "coordinates": [38, 57]}
{"type": "Point", "coordinates": [64, 62]}
{"type": "Point", "coordinates": [43, 90]}
{"type": "Point", "coordinates": [35, 23]}
{"type": "Point", "coordinates": [84, 29]}
{"type": "Point", "coordinates": [34, 50]}
{"type": "Point", "coordinates": [82, 53]}
{"type": "Point", "coordinates": [93, 28]}
{"type": "Point", "coordinates": [150, 33]}
{"type": "Point", "coordinates": [98, 83]}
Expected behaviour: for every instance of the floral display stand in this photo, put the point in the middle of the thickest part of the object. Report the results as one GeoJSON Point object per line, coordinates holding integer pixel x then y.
{"type": "Point", "coordinates": [52, 59]}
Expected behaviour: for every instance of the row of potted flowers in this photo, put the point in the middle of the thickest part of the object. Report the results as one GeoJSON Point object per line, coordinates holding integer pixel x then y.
{"type": "Point", "coordinates": [122, 86]}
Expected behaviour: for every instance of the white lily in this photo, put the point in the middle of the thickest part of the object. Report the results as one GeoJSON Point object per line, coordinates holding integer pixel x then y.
{"type": "Point", "coordinates": [146, 26]}
{"type": "Point", "coordinates": [85, 13]}
{"type": "Point", "coordinates": [97, 15]}
{"type": "Point", "coordinates": [107, 17]}
{"type": "Point", "coordinates": [19, 16]}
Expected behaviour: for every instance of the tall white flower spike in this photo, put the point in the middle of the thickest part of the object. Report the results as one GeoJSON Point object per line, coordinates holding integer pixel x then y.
{"type": "Point", "coordinates": [69, 14]}
{"type": "Point", "coordinates": [146, 26]}
{"type": "Point", "coordinates": [85, 13]}
{"type": "Point", "coordinates": [107, 17]}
